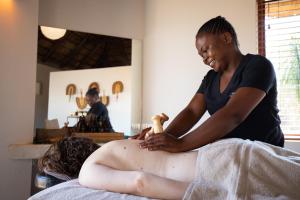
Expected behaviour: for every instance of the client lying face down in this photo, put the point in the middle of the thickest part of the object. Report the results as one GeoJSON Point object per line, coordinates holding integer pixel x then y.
{"type": "Point", "coordinates": [122, 166]}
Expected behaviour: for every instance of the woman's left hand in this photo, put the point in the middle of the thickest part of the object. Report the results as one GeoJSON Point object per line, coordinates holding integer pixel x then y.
{"type": "Point", "coordinates": [162, 141]}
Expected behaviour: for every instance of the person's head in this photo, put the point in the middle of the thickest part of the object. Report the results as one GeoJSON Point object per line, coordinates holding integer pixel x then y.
{"type": "Point", "coordinates": [216, 41]}
{"type": "Point", "coordinates": [67, 156]}
{"type": "Point", "coordinates": [92, 96]}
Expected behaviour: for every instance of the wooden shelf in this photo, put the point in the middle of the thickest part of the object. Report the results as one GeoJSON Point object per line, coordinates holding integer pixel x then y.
{"type": "Point", "coordinates": [101, 137]}
{"type": "Point", "coordinates": [48, 136]}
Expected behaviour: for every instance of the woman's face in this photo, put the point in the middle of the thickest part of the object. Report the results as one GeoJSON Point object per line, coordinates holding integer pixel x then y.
{"type": "Point", "coordinates": [91, 100]}
{"type": "Point", "coordinates": [213, 48]}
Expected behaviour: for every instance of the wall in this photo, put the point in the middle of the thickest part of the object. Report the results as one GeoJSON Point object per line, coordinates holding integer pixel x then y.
{"type": "Point", "coordinates": [294, 145]}
{"type": "Point", "coordinates": [172, 69]}
{"type": "Point", "coordinates": [18, 39]}
{"type": "Point", "coordinates": [136, 83]}
{"type": "Point", "coordinates": [41, 99]}
{"type": "Point", "coordinates": [119, 109]}
{"type": "Point", "coordinates": [108, 17]}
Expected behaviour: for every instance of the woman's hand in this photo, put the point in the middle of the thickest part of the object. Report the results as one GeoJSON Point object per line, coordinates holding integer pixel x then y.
{"type": "Point", "coordinates": [162, 141]}
{"type": "Point", "coordinates": [141, 135]}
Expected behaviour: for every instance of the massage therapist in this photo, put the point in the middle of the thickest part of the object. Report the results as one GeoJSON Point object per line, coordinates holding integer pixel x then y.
{"type": "Point", "coordinates": [239, 92]}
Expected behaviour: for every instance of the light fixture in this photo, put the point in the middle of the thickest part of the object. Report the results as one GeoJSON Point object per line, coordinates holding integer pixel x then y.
{"type": "Point", "coordinates": [53, 33]}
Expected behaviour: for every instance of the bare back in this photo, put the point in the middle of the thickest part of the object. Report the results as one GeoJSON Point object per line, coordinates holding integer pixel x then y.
{"type": "Point", "coordinates": [126, 155]}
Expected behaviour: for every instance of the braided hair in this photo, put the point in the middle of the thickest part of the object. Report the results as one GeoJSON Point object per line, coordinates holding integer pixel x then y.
{"type": "Point", "coordinates": [218, 25]}
{"type": "Point", "coordinates": [67, 156]}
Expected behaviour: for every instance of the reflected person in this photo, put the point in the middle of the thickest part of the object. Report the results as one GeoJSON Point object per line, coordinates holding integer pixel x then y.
{"type": "Point", "coordinates": [97, 117]}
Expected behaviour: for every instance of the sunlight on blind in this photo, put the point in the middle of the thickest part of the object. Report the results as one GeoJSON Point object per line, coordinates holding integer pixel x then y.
{"type": "Point", "coordinates": [279, 40]}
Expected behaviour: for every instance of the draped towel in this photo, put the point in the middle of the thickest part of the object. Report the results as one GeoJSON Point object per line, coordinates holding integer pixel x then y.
{"type": "Point", "coordinates": [242, 169]}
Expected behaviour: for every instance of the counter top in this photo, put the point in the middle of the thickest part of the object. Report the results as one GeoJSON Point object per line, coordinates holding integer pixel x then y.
{"type": "Point", "coordinates": [27, 151]}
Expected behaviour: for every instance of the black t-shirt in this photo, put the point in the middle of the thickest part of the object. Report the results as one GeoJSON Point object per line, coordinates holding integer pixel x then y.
{"type": "Point", "coordinates": [101, 113]}
{"type": "Point", "coordinates": [263, 123]}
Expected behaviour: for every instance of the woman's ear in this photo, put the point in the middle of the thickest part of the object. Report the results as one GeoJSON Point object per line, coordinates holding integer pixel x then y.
{"type": "Point", "coordinates": [227, 38]}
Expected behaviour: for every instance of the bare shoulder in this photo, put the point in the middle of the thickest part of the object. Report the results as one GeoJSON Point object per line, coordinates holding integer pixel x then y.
{"type": "Point", "coordinates": [114, 149]}
{"type": "Point", "coordinates": [117, 145]}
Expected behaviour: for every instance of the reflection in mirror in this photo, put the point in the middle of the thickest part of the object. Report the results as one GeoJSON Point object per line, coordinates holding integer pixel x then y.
{"type": "Point", "coordinates": [66, 67]}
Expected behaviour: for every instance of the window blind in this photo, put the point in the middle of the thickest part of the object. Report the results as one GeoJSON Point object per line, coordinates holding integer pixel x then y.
{"type": "Point", "coordinates": [279, 41]}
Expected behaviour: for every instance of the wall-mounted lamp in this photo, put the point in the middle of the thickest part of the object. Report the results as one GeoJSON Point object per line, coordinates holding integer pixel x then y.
{"type": "Point", "coordinates": [53, 33]}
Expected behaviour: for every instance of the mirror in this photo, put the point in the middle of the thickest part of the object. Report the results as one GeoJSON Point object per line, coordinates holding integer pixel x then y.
{"type": "Point", "coordinates": [67, 66]}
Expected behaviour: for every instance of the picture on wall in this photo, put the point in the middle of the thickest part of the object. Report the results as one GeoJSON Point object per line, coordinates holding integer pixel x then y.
{"type": "Point", "coordinates": [117, 88]}
{"type": "Point", "coordinates": [71, 90]}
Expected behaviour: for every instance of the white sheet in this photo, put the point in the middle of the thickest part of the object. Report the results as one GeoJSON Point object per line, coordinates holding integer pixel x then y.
{"type": "Point", "coordinates": [246, 170]}
{"type": "Point", "coordinates": [72, 190]}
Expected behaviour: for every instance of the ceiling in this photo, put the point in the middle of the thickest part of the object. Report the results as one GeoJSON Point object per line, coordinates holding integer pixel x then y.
{"type": "Point", "coordinates": [79, 50]}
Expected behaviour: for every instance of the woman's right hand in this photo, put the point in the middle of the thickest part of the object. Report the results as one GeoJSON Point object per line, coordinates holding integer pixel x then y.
{"type": "Point", "coordinates": [141, 135]}
{"type": "Point", "coordinates": [162, 142]}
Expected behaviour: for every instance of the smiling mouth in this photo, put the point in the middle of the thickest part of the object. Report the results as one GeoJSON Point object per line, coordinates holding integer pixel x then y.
{"type": "Point", "coordinates": [212, 63]}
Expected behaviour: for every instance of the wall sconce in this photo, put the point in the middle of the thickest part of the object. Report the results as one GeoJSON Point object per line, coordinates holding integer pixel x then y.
{"type": "Point", "coordinates": [7, 7]}
{"type": "Point", "coordinates": [53, 33]}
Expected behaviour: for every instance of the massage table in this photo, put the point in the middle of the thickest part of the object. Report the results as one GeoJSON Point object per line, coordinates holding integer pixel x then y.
{"type": "Point", "coordinates": [72, 190]}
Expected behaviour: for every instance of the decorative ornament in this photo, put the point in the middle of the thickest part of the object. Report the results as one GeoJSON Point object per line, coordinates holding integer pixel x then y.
{"type": "Point", "coordinates": [104, 99]}
{"type": "Point", "coordinates": [117, 88]}
{"type": "Point", "coordinates": [81, 101]}
{"type": "Point", "coordinates": [71, 90]}
{"type": "Point", "coordinates": [95, 85]}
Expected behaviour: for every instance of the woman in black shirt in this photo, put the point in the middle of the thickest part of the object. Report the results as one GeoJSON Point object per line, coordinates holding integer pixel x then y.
{"type": "Point", "coordinates": [239, 93]}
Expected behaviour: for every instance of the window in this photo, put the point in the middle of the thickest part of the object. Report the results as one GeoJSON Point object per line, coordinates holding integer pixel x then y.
{"type": "Point", "coordinates": [279, 41]}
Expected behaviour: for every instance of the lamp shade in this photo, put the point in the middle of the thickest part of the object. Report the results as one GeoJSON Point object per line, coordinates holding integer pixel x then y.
{"type": "Point", "coordinates": [53, 33]}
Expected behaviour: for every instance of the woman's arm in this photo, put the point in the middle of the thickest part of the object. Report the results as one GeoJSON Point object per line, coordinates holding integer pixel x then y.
{"type": "Point", "coordinates": [225, 120]}
{"type": "Point", "coordinates": [218, 125]}
{"type": "Point", "coordinates": [188, 117]}
{"type": "Point", "coordinates": [99, 176]}
{"type": "Point", "coordinates": [183, 122]}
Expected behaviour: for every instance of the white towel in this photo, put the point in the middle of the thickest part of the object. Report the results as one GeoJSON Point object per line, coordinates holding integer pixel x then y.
{"type": "Point", "coordinates": [242, 169]}
{"type": "Point", "coordinates": [63, 177]}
